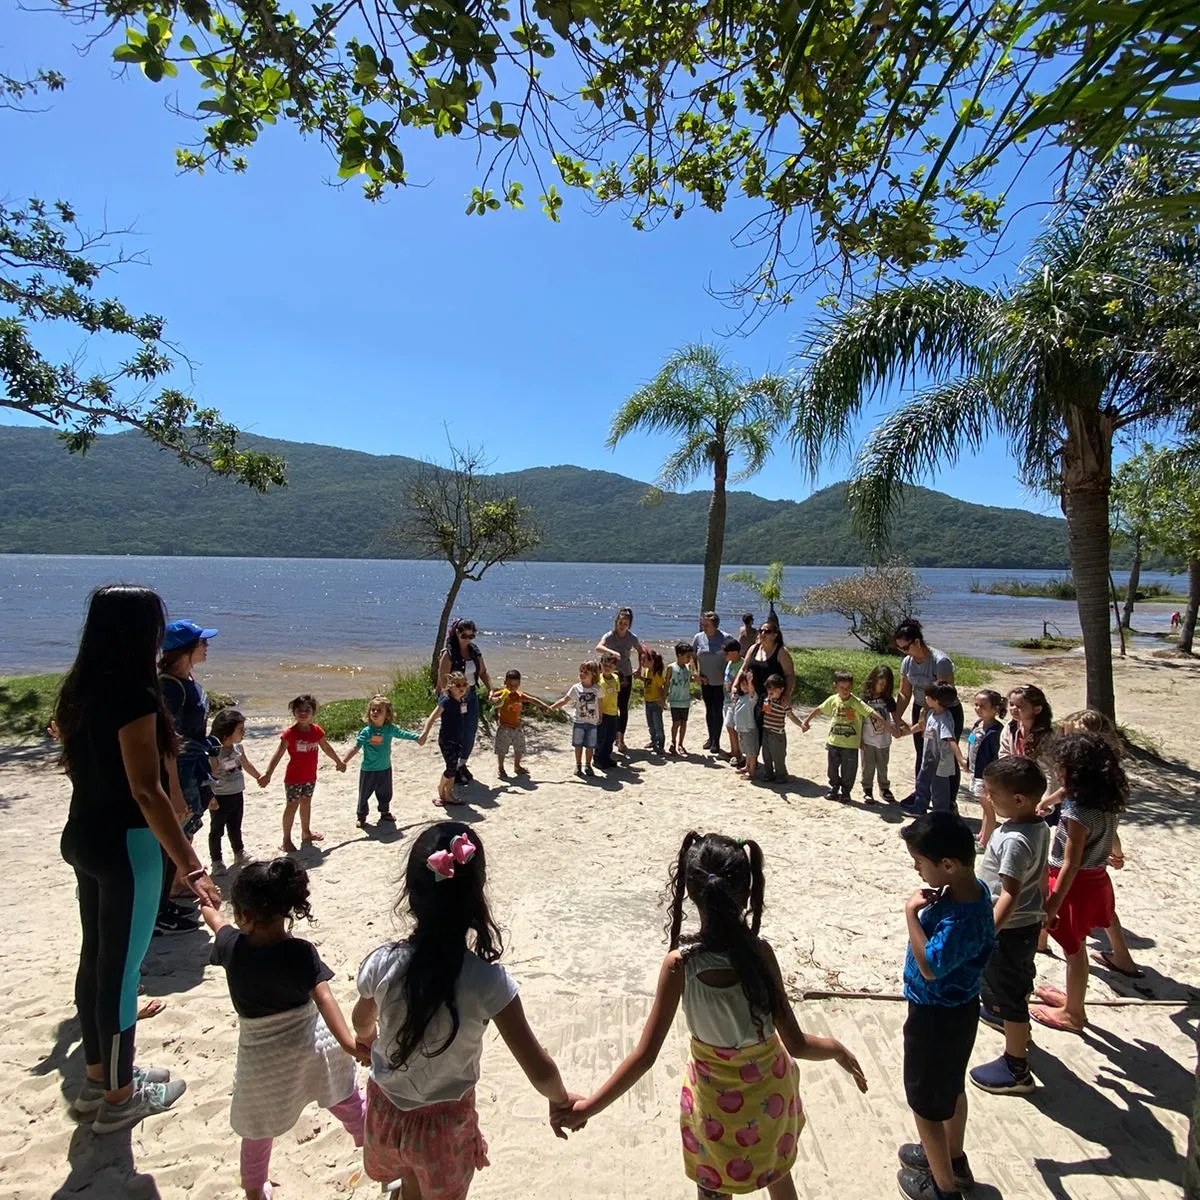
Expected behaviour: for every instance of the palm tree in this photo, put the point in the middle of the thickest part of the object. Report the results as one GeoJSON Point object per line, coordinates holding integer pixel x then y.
{"type": "Point", "coordinates": [718, 412]}
{"type": "Point", "coordinates": [1090, 340]}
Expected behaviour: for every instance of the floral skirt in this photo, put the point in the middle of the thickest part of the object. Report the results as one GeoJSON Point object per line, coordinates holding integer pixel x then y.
{"type": "Point", "coordinates": [740, 1115]}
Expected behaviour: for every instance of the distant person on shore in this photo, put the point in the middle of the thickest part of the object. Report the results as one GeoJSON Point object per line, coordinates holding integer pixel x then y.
{"type": "Point", "coordinates": [654, 696]}
{"type": "Point", "coordinates": [585, 716]}
{"type": "Point", "coordinates": [118, 750]}
{"type": "Point", "coordinates": [708, 648]}
{"type": "Point", "coordinates": [747, 635]}
{"type": "Point", "coordinates": [295, 1046]}
{"type": "Point", "coordinates": [510, 734]}
{"type": "Point", "coordinates": [450, 712]}
{"type": "Point", "coordinates": [921, 666]}
{"type": "Point", "coordinates": [620, 642]}
{"type": "Point", "coordinates": [679, 695]}
{"type": "Point", "coordinates": [375, 739]}
{"type": "Point", "coordinates": [1176, 620]}
{"type": "Point", "coordinates": [741, 1110]}
{"type": "Point", "coordinates": [228, 764]}
{"type": "Point", "coordinates": [461, 655]}
{"type": "Point", "coordinates": [300, 742]}
{"type": "Point", "coordinates": [983, 748]}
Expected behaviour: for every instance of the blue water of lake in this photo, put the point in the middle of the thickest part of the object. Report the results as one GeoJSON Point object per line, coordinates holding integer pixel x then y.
{"type": "Point", "coordinates": [363, 617]}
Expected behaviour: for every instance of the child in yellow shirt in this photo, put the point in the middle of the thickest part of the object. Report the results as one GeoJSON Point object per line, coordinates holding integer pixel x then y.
{"type": "Point", "coordinates": [654, 696]}
{"type": "Point", "coordinates": [610, 688]}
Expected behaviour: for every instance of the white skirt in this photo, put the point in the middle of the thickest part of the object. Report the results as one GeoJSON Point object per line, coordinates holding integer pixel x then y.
{"type": "Point", "coordinates": [284, 1063]}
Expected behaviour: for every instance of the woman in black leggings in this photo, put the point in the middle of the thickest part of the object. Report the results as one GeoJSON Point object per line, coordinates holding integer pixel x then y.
{"type": "Point", "coordinates": [117, 748]}
{"type": "Point", "coordinates": [620, 641]}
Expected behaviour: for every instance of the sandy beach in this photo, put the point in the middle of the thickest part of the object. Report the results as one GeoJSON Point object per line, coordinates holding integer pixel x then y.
{"type": "Point", "coordinates": [577, 869]}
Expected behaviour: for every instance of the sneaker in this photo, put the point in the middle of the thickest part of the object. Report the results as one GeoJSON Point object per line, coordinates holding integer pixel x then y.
{"type": "Point", "coordinates": [218, 867]}
{"type": "Point", "coordinates": [912, 1155]}
{"type": "Point", "coordinates": [502, 773]}
{"type": "Point", "coordinates": [919, 1185]}
{"type": "Point", "coordinates": [386, 818]}
{"type": "Point", "coordinates": [579, 772]}
{"type": "Point", "coordinates": [241, 858]}
{"type": "Point", "coordinates": [173, 920]}
{"type": "Point", "coordinates": [464, 774]}
{"type": "Point", "coordinates": [148, 1100]}
{"type": "Point", "coordinates": [844, 797]}
{"type": "Point", "coordinates": [589, 771]}
{"type": "Point", "coordinates": [868, 796]}
{"type": "Point", "coordinates": [911, 810]}
{"type": "Point", "coordinates": [990, 1019]}
{"type": "Point", "coordinates": [1003, 1078]}
{"type": "Point", "coordinates": [887, 796]}
{"type": "Point", "coordinates": [832, 794]}
{"type": "Point", "coordinates": [91, 1095]}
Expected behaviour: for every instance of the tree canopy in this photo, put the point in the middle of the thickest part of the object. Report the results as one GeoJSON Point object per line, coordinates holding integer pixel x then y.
{"type": "Point", "coordinates": [856, 131]}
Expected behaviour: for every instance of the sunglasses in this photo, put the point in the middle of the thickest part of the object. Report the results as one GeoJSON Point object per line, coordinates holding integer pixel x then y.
{"type": "Point", "coordinates": [905, 646]}
{"type": "Point", "coordinates": [466, 633]}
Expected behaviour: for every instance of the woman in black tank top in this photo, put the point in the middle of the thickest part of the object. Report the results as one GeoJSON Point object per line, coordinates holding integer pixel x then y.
{"type": "Point", "coordinates": [769, 657]}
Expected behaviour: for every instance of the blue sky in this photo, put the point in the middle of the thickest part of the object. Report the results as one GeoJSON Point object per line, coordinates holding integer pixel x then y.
{"type": "Point", "coordinates": [312, 315]}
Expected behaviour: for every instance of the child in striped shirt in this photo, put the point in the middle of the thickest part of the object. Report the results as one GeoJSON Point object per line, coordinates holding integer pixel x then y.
{"type": "Point", "coordinates": [775, 713]}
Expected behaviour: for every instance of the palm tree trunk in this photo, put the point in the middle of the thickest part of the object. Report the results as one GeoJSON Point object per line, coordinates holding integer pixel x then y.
{"type": "Point", "coordinates": [1187, 631]}
{"type": "Point", "coordinates": [714, 545]}
{"type": "Point", "coordinates": [1135, 577]}
{"type": "Point", "coordinates": [1087, 477]}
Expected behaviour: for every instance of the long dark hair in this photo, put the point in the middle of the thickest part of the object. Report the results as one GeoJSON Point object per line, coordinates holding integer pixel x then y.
{"type": "Point", "coordinates": [458, 660]}
{"type": "Point", "coordinates": [121, 635]}
{"type": "Point", "coordinates": [445, 912]}
{"type": "Point", "coordinates": [724, 880]}
{"type": "Point", "coordinates": [1090, 772]}
{"type": "Point", "coordinates": [883, 671]}
{"type": "Point", "coordinates": [1042, 730]}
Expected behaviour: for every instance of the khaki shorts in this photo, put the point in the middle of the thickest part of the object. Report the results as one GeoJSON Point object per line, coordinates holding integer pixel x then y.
{"type": "Point", "coordinates": [510, 737]}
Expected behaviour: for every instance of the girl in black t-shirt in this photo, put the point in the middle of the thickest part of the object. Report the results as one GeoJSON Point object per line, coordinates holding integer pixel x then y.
{"type": "Point", "coordinates": [294, 1045]}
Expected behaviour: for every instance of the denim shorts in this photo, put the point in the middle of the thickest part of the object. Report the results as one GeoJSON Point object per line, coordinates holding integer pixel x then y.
{"type": "Point", "coordinates": [583, 736]}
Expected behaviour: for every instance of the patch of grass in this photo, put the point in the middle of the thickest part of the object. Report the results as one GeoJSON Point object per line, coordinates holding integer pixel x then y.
{"type": "Point", "coordinates": [1136, 739]}
{"type": "Point", "coordinates": [1047, 643]}
{"type": "Point", "coordinates": [27, 704]}
{"type": "Point", "coordinates": [1049, 589]}
{"type": "Point", "coordinates": [815, 668]}
{"type": "Point", "coordinates": [409, 692]}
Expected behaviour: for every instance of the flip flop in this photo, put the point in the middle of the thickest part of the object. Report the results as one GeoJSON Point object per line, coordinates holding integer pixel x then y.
{"type": "Point", "coordinates": [1103, 958]}
{"type": "Point", "coordinates": [151, 1008]}
{"type": "Point", "coordinates": [1052, 1019]}
{"type": "Point", "coordinates": [1051, 996]}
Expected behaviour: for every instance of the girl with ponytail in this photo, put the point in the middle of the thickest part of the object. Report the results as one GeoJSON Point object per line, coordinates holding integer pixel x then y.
{"type": "Point", "coordinates": [740, 1109]}
{"type": "Point", "coordinates": [294, 1045]}
{"type": "Point", "coordinates": [424, 1005]}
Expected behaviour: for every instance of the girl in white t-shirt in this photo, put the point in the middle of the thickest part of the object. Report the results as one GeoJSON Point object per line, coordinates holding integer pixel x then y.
{"type": "Point", "coordinates": [424, 1006]}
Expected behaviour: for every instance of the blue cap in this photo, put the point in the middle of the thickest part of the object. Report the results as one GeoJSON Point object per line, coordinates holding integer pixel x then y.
{"type": "Point", "coordinates": [179, 634]}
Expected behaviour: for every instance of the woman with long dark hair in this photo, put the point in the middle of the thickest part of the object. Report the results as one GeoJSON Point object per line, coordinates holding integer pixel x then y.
{"type": "Point", "coordinates": [117, 746]}
{"type": "Point", "coordinates": [463, 656]}
{"type": "Point", "coordinates": [620, 640]}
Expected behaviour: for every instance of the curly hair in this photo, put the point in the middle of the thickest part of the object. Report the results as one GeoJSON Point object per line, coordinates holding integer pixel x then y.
{"type": "Point", "coordinates": [1090, 772]}
{"type": "Point", "coordinates": [269, 890]}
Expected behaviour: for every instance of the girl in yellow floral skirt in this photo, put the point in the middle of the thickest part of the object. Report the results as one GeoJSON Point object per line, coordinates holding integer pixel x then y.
{"type": "Point", "coordinates": [740, 1108]}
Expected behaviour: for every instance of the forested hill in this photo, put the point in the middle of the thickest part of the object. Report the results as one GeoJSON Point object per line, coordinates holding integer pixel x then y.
{"type": "Point", "coordinates": [126, 497]}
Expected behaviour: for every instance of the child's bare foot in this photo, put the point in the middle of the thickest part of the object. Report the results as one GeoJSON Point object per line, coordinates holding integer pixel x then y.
{"type": "Point", "coordinates": [312, 836]}
{"type": "Point", "coordinates": [1057, 1018]}
{"type": "Point", "coordinates": [519, 770]}
{"type": "Point", "coordinates": [288, 847]}
{"type": "Point", "coordinates": [504, 773]}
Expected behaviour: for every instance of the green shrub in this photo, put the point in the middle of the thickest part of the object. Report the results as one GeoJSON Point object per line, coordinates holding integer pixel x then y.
{"type": "Point", "coordinates": [27, 704]}
{"type": "Point", "coordinates": [815, 668]}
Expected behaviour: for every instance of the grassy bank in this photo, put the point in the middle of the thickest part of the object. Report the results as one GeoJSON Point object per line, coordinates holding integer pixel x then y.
{"type": "Point", "coordinates": [27, 704]}
{"type": "Point", "coordinates": [1064, 589]}
{"type": "Point", "coordinates": [1048, 644]}
{"type": "Point", "coordinates": [815, 668]}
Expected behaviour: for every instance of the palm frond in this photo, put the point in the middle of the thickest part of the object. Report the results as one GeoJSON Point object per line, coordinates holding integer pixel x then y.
{"type": "Point", "coordinates": [936, 326]}
{"type": "Point", "coordinates": [913, 443]}
{"type": "Point", "coordinates": [686, 461]}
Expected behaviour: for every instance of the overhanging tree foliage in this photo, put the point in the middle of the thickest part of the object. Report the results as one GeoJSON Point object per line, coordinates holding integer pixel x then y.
{"type": "Point", "coordinates": [49, 269]}
{"type": "Point", "coordinates": [855, 130]}
{"type": "Point", "coordinates": [1097, 335]}
{"type": "Point", "coordinates": [457, 513]}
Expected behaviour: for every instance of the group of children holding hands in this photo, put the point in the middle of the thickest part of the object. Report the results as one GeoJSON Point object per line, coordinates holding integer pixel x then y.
{"type": "Point", "coordinates": [424, 1001]}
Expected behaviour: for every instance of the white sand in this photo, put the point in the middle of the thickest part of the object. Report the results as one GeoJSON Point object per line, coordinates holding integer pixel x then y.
{"type": "Point", "coordinates": [577, 869]}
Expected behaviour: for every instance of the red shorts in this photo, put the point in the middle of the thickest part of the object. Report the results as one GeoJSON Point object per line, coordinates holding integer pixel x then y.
{"type": "Point", "coordinates": [439, 1146]}
{"type": "Point", "coordinates": [1090, 904]}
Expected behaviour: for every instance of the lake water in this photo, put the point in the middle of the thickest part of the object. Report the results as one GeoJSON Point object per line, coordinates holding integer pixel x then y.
{"type": "Point", "coordinates": [350, 622]}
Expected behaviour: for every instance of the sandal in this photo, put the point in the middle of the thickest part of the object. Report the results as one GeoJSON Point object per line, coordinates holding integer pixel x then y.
{"type": "Point", "coordinates": [1051, 996]}
{"type": "Point", "coordinates": [1103, 958]}
{"type": "Point", "coordinates": [1052, 1018]}
{"type": "Point", "coordinates": [312, 836]}
{"type": "Point", "coordinates": [151, 1008]}
{"type": "Point", "coordinates": [520, 770]}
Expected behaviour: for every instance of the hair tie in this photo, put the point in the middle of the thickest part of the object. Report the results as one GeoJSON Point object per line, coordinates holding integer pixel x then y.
{"type": "Point", "coordinates": [443, 862]}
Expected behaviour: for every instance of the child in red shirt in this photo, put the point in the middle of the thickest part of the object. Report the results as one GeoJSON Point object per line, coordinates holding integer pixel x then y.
{"type": "Point", "coordinates": [301, 742]}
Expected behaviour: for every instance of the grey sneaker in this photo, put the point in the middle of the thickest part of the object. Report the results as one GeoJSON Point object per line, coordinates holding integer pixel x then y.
{"type": "Point", "coordinates": [91, 1095]}
{"type": "Point", "coordinates": [218, 867]}
{"type": "Point", "coordinates": [148, 1100]}
{"type": "Point", "coordinates": [912, 1155]}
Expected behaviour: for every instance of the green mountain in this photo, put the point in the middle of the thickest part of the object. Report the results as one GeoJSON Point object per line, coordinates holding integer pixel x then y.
{"type": "Point", "coordinates": [127, 497]}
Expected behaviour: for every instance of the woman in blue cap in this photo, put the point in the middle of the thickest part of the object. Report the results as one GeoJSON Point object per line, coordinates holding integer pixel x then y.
{"type": "Point", "coordinates": [184, 647]}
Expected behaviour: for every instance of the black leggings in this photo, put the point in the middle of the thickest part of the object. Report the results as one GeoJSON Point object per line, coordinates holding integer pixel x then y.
{"type": "Point", "coordinates": [623, 704]}
{"type": "Point", "coordinates": [228, 816]}
{"type": "Point", "coordinates": [713, 695]}
{"type": "Point", "coordinates": [119, 875]}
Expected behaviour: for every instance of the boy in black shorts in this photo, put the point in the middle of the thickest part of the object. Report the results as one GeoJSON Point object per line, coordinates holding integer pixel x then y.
{"type": "Point", "coordinates": [950, 938]}
{"type": "Point", "coordinates": [1014, 870]}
